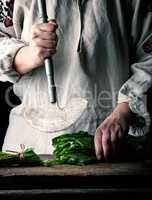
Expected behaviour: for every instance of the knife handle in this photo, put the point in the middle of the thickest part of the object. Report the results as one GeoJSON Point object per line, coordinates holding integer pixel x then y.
{"type": "Point", "coordinates": [48, 61]}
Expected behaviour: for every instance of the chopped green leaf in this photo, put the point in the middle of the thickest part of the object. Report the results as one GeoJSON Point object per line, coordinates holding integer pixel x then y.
{"type": "Point", "coordinates": [76, 149]}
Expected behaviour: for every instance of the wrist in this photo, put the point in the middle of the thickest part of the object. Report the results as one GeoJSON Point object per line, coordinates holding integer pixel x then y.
{"type": "Point", "coordinates": [124, 107]}
{"type": "Point", "coordinates": [124, 110]}
{"type": "Point", "coordinates": [23, 60]}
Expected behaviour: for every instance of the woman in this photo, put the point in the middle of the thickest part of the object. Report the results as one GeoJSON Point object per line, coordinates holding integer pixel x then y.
{"type": "Point", "coordinates": [94, 44]}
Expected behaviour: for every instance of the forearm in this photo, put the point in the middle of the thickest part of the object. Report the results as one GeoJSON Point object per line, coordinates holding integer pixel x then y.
{"type": "Point", "coordinates": [23, 60]}
{"type": "Point", "coordinates": [41, 46]}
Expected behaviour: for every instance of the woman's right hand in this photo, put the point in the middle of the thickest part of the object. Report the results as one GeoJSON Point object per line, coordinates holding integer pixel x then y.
{"type": "Point", "coordinates": [43, 43]}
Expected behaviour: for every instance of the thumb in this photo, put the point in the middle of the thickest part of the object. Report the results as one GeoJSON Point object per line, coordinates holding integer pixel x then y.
{"type": "Point", "coordinates": [53, 22]}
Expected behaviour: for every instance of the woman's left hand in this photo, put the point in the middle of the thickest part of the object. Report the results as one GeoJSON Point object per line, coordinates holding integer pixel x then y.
{"type": "Point", "coordinates": [111, 132]}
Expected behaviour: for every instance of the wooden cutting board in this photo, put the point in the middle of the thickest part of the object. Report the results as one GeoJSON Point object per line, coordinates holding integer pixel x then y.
{"type": "Point", "coordinates": [100, 169]}
{"type": "Point", "coordinates": [118, 168]}
{"type": "Point", "coordinates": [96, 178]}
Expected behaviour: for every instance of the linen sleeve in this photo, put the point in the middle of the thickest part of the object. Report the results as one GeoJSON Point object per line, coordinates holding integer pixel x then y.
{"type": "Point", "coordinates": [10, 42]}
{"type": "Point", "coordinates": [136, 87]}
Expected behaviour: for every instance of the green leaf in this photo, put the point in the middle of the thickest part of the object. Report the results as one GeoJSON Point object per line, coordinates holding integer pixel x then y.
{"type": "Point", "coordinates": [75, 148]}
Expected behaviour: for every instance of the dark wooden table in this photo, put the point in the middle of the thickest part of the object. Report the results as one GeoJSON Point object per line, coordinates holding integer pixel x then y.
{"type": "Point", "coordinates": [91, 182]}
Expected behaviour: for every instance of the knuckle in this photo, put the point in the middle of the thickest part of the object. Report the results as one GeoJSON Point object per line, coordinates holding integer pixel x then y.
{"type": "Point", "coordinates": [54, 43]}
{"type": "Point", "coordinates": [46, 55]}
{"type": "Point", "coordinates": [113, 128]}
{"type": "Point", "coordinates": [104, 129]}
{"type": "Point", "coordinates": [104, 126]}
{"type": "Point", "coordinates": [51, 43]}
{"type": "Point", "coordinates": [105, 138]}
{"type": "Point", "coordinates": [54, 36]}
{"type": "Point", "coordinates": [118, 125]}
{"type": "Point", "coordinates": [98, 130]}
{"type": "Point", "coordinates": [120, 135]}
{"type": "Point", "coordinates": [53, 51]}
{"type": "Point", "coordinates": [51, 46]}
{"type": "Point", "coordinates": [114, 140]}
{"type": "Point", "coordinates": [51, 27]}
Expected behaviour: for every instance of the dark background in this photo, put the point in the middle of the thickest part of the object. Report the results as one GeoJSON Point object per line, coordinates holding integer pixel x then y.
{"type": "Point", "coordinates": [5, 109]}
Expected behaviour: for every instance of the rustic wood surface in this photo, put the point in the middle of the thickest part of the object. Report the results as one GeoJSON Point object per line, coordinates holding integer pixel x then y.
{"type": "Point", "coordinates": [100, 169]}
{"type": "Point", "coordinates": [91, 182]}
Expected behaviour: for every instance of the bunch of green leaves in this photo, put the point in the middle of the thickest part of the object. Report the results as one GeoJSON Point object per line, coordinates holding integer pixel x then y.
{"type": "Point", "coordinates": [30, 158]}
{"type": "Point", "coordinates": [27, 157]}
{"type": "Point", "coordinates": [8, 158]}
{"type": "Point", "coordinates": [76, 148]}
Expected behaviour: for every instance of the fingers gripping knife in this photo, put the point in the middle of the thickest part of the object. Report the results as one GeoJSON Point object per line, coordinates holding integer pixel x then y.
{"type": "Point", "coordinates": [48, 61]}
